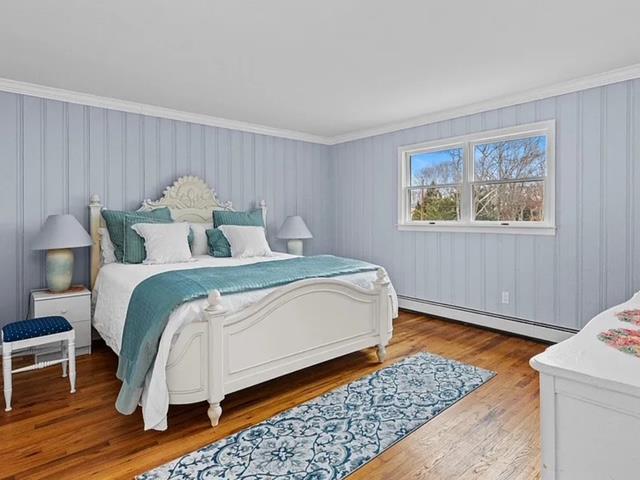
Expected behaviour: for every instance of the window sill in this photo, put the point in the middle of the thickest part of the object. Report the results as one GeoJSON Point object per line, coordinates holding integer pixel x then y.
{"type": "Point", "coordinates": [466, 228]}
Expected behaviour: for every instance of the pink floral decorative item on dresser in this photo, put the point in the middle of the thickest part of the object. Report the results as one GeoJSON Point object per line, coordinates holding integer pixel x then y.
{"type": "Point", "coordinates": [624, 339]}
{"type": "Point", "coordinates": [630, 316]}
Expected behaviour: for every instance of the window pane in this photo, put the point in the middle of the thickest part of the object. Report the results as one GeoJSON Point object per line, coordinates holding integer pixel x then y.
{"type": "Point", "coordinates": [517, 201]}
{"type": "Point", "coordinates": [435, 204]}
{"type": "Point", "coordinates": [511, 159]}
{"type": "Point", "coordinates": [436, 168]}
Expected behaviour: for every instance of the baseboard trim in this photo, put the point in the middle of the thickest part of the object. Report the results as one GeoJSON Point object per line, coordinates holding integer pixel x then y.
{"type": "Point", "coordinates": [503, 323]}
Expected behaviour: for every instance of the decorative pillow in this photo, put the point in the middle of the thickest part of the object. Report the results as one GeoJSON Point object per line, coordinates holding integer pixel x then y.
{"type": "Point", "coordinates": [246, 241]}
{"type": "Point", "coordinates": [225, 217]}
{"type": "Point", "coordinates": [134, 250]}
{"type": "Point", "coordinates": [200, 244]}
{"type": "Point", "coordinates": [106, 247]}
{"type": "Point", "coordinates": [165, 243]}
{"type": "Point", "coordinates": [218, 244]}
{"type": "Point", "coordinates": [115, 221]}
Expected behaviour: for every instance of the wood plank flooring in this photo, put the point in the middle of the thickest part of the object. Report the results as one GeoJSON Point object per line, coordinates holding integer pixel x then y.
{"type": "Point", "coordinates": [492, 433]}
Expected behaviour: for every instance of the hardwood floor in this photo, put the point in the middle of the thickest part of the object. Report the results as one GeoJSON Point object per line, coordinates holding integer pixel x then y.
{"type": "Point", "coordinates": [490, 434]}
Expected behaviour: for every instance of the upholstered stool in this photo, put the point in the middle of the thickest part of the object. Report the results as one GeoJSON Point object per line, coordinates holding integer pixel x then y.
{"type": "Point", "coordinates": [33, 333]}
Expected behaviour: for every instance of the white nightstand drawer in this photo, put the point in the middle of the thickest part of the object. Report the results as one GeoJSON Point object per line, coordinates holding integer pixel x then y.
{"type": "Point", "coordinates": [74, 309]}
{"type": "Point", "coordinates": [75, 306]}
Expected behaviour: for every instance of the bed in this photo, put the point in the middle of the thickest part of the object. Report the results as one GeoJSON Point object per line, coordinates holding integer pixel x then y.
{"type": "Point", "coordinates": [221, 344]}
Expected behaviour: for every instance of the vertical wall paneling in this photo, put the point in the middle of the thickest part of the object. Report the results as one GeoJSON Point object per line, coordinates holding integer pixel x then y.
{"type": "Point", "coordinates": [33, 190]}
{"type": "Point", "coordinates": [592, 262]}
{"type": "Point", "coordinates": [11, 205]}
{"type": "Point", "coordinates": [567, 167]}
{"type": "Point", "coordinates": [55, 155]}
{"type": "Point", "coordinates": [615, 254]}
{"type": "Point", "coordinates": [545, 280]}
{"type": "Point", "coordinates": [77, 175]}
{"type": "Point", "coordinates": [590, 280]}
{"type": "Point", "coordinates": [634, 201]}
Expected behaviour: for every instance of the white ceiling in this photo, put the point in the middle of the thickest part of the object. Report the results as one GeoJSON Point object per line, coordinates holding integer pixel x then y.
{"type": "Point", "coordinates": [323, 67]}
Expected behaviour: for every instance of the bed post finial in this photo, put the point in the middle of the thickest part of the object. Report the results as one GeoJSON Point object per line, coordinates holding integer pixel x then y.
{"type": "Point", "coordinates": [215, 302]}
{"type": "Point", "coordinates": [381, 277]}
{"type": "Point", "coordinates": [262, 205]}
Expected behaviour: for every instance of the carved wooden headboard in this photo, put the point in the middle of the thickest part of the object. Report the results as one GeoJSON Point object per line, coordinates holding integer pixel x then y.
{"type": "Point", "coordinates": [189, 199]}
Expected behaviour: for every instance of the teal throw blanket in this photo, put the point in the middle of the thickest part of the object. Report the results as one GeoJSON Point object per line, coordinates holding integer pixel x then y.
{"type": "Point", "coordinates": [153, 300]}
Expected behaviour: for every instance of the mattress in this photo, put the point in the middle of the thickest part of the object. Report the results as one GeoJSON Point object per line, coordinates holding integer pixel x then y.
{"type": "Point", "coordinates": [113, 289]}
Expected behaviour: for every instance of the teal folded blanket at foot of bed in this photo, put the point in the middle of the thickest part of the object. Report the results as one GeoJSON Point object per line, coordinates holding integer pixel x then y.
{"type": "Point", "coordinates": [153, 300]}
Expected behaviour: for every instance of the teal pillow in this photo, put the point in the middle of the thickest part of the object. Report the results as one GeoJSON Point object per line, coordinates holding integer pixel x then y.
{"type": "Point", "coordinates": [250, 219]}
{"type": "Point", "coordinates": [115, 221]}
{"type": "Point", "coordinates": [218, 244]}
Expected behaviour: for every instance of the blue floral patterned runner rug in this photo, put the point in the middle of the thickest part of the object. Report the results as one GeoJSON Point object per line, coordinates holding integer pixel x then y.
{"type": "Point", "coordinates": [333, 435]}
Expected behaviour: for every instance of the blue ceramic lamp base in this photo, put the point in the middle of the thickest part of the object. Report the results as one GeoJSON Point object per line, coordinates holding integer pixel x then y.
{"type": "Point", "coordinates": [59, 269]}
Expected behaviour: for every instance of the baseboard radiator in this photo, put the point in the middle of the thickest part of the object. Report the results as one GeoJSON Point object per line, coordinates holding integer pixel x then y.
{"type": "Point", "coordinates": [505, 323]}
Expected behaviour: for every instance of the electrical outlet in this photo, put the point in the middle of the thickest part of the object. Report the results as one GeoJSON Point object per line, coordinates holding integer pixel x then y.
{"type": "Point", "coordinates": [505, 297]}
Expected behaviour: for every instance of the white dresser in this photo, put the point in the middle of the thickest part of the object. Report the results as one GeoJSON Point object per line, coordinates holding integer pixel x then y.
{"type": "Point", "coordinates": [590, 405]}
{"type": "Point", "coordinates": [74, 305]}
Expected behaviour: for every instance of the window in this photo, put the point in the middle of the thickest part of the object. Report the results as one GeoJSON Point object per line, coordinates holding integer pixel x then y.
{"type": "Point", "coordinates": [498, 181]}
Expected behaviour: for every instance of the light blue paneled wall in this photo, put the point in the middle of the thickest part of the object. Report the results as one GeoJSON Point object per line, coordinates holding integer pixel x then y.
{"type": "Point", "coordinates": [593, 262]}
{"type": "Point", "coordinates": [54, 155]}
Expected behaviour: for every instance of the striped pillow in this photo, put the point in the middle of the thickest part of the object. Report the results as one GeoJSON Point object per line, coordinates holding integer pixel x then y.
{"type": "Point", "coordinates": [218, 243]}
{"type": "Point", "coordinates": [249, 219]}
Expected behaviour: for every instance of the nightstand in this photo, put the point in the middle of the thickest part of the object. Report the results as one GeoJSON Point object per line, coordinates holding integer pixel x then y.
{"type": "Point", "coordinates": [74, 305]}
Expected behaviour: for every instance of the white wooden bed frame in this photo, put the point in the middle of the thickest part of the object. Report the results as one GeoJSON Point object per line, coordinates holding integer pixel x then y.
{"type": "Point", "coordinates": [295, 326]}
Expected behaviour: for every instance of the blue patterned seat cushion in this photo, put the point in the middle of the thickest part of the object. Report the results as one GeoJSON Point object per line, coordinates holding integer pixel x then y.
{"type": "Point", "coordinates": [36, 327]}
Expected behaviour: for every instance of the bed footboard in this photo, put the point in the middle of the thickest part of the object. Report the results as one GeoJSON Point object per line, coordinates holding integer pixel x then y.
{"type": "Point", "coordinates": [302, 324]}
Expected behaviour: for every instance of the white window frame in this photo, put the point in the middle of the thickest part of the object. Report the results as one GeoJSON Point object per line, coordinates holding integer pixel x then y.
{"type": "Point", "coordinates": [467, 223]}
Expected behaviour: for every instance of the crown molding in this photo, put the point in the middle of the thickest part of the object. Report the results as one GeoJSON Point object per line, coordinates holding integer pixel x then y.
{"type": "Point", "coordinates": [70, 96]}
{"type": "Point", "coordinates": [583, 83]}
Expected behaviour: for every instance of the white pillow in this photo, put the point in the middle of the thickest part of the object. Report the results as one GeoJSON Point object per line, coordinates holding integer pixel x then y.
{"type": "Point", "coordinates": [165, 242]}
{"type": "Point", "coordinates": [200, 244]}
{"type": "Point", "coordinates": [246, 241]}
{"type": "Point", "coordinates": [106, 247]}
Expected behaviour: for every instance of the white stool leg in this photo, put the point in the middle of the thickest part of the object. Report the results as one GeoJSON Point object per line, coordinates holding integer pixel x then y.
{"type": "Point", "coordinates": [65, 354]}
{"type": "Point", "coordinates": [6, 374]}
{"type": "Point", "coordinates": [71, 351]}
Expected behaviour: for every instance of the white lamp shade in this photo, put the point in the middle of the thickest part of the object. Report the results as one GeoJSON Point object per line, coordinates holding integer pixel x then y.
{"type": "Point", "coordinates": [294, 228]}
{"type": "Point", "coordinates": [61, 231]}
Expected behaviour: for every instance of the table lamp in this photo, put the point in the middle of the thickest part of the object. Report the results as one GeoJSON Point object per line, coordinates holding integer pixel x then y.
{"type": "Point", "coordinates": [58, 235]}
{"type": "Point", "coordinates": [294, 230]}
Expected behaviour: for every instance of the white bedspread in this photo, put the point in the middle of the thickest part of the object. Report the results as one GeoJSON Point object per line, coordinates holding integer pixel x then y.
{"type": "Point", "coordinates": [113, 289]}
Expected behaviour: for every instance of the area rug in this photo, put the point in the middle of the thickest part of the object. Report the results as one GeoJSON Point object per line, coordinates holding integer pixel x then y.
{"type": "Point", "coordinates": [333, 435]}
